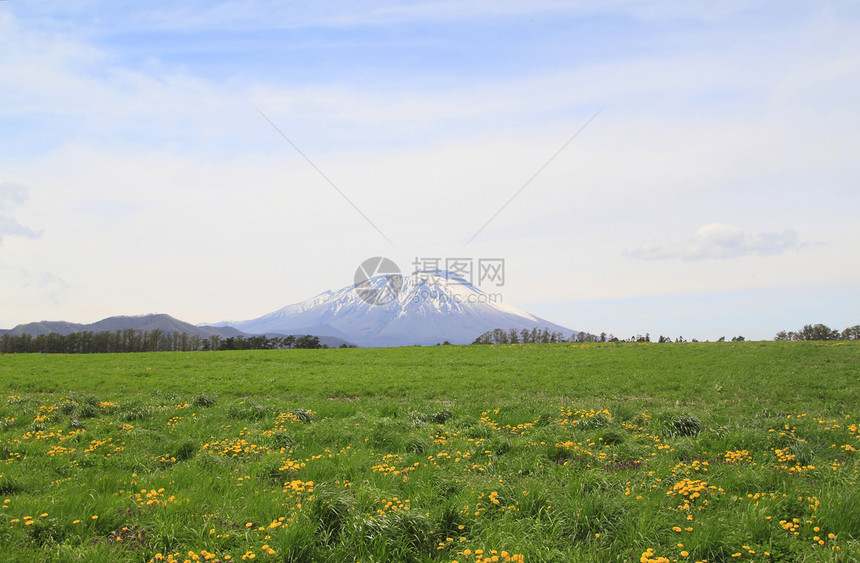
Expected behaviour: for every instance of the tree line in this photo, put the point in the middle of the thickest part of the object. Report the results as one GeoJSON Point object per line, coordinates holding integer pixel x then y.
{"type": "Point", "coordinates": [131, 340]}
{"type": "Point", "coordinates": [536, 336]}
{"type": "Point", "coordinates": [524, 336]}
{"type": "Point", "coordinates": [819, 332]}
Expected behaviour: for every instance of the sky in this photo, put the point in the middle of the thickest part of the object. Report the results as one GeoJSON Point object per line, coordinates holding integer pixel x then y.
{"type": "Point", "coordinates": [684, 168]}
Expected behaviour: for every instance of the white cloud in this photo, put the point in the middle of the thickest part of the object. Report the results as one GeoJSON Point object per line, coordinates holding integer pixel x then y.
{"type": "Point", "coordinates": [717, 241]}
{"type": "Point", "coordinates": [12, 195]}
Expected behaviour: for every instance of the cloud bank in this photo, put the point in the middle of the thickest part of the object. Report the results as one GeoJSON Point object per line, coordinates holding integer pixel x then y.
{"type": "Point", "coordinates": [717, 241]}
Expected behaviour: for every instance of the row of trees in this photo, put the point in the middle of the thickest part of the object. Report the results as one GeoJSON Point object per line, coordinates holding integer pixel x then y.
{"type": "Point", "coordinates": [307, 341]}
{"type": "Point", "coordinates": [526, 336]}
{"type": "Point", "coordinates": [819, 332]}
{"type": "Point", "coordinates": [131, 340]}
{"type": "Point", "coordinates": [661, 340]}
{"type": "Point", "coordinates": [535, 336]}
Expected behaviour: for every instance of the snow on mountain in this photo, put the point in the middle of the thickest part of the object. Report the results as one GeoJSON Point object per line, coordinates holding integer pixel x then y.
{"type": "Point", "coordinates": [425, 308]}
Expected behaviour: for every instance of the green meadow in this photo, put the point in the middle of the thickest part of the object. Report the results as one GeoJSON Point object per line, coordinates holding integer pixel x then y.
{"type": "Point", "coordinates": [571, 452]}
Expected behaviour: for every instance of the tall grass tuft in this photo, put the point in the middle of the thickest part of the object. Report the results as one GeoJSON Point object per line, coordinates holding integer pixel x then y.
{"type": "Point", "coordinates": [203, 400]}
{"type": "Point", "coordinates": [684, 425]}
{"type": "Point", "coordinates": [250, 411]}
{"type": "Point", "coordinates": [332, 510]}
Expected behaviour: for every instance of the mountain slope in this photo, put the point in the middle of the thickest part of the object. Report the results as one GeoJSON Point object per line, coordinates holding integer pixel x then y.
{"type": "Point", "coordinates": [430, 307]}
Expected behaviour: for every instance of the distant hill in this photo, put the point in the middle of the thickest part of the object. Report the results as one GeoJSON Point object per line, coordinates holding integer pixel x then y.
{"type": "Point", "coordinates": [162, 322]}
{"type": "Point", "coordinates": [46, 327]}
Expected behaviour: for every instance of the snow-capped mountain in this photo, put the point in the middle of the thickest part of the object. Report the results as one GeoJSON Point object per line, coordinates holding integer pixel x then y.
{"type": "Point", "coordinates": [425, 308]}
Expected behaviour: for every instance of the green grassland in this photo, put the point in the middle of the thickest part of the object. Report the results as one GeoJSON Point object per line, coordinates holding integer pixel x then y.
{"type": "Point", "coordinates": [572, 452]}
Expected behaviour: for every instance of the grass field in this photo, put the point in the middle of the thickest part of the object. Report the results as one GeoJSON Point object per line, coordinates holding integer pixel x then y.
{"type": "Point", "coordinates": [610, 452]}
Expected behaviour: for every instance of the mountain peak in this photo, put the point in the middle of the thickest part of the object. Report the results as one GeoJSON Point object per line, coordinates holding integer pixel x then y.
{"type": "Point", "coordinates": [426, 307]}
